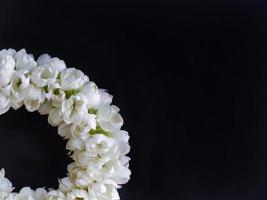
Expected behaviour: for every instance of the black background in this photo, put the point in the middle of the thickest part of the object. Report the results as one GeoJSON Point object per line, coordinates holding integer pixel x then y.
{"type": "Point", "coordinates": [189, 77]}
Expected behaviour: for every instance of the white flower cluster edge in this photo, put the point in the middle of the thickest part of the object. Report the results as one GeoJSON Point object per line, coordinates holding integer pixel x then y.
{"type": "Point", "coordinates": [84, 117]}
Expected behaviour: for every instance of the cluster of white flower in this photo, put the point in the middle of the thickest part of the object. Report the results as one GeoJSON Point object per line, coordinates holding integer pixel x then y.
{"type": "Point", "coordinates": [84, 116]}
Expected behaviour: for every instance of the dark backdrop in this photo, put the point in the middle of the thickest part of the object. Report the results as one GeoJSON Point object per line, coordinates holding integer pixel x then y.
{"type": "Point", "coordinates": [189, 76]}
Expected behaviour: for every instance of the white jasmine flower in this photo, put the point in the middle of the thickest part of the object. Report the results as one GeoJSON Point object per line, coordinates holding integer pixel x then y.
{"type": "Point", "coordinates": [43, 76]}
{"type": "Point", "coordinates": [75, 144]}
{"type": "Point", "coordinates": [19, 85]}
{"type": "Point", "coordinates": [43, 59]}
{"type": "Point", "coordinates": [55, 94]}
{"type": "Point", "coordinates": [5, 101]}
{"type": "Point", "coordinates": [9, 51]}
{"type": "Point", "coordinates": [77, 194]}
{"type": "Point", "coordinates": [45, 108]}
{"type": "Point", "coordinates": [103, 191]}
{"type": "Point", "coordinates": [92, 94]}
{"type": "Point", "coordinates": [124, 160]}
{"type": "Point", "coordinates": [101, 145]}
{"type": "Point", "coordinates": [55, 64]}
{"type": "Point", "coordinates": [5, 185]}
{"type": "Point", "coordinates": [25, 193]}
{"type": "Point", "coordinates": [56, 195]}
{"type": "Point", "coordinates": [79, 176]}
{"type": "Point", "coordinates": [102, 168]}
{"type": "Point", "coordinates": [24, 61]}
{"type": "Point", "coordinates": [54, 118]}
{"type": "Point", "coordinates": [66, 185]}
{"type": "Point", "coordinates": [34, 98]}
{"type": "Point", "coordinates": [4, 104]}
{"type": "Point", "coordinates": [105, 98]}
{"type": "Point", "coordinates": [74, 109]}
{"type": "Point", "coordinates": [15, 104]}
{"type": "Point", "coordinates": [72, 168]}
{"type": "Point", "coordinates": [47, 73]}
{"type": "Point", "coordinates": [105, 168]}
{"type": "Point", "coordinates": [72, 79]}
{"type": "Point", "coordinates": [7, 66]}
{"type": "Point", "coordinates": [120, 135]}
{"type": "Point", "coordinates": [82, 129]}
{"type": "Point", "coordinates": [11, 196]}
{"type": "Point", "coordinates": [83, 158]}
{"type": "Point", "coordinates": [122, 138]}
{"type": "Point", "coordinates": [40, 194]}
{"type": "Point", "coordinates": [64, 130]}
{"type": "Point", "coordinates": [122, 173]}
{"type": "Point", "coordinates": [82, 179]}
{"type": "Point", "coordinates": [109, 118]}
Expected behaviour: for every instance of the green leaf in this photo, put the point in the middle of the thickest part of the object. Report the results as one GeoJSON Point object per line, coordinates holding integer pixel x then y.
{"type": "Point", "coordinates": [69, 93]}
{"type": "Point", "coordinates": [92, 111]}
{"type": "Point", "coordinates": [98, 130]}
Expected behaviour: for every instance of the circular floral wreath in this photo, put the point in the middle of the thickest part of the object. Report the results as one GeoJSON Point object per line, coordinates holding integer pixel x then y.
{"type": "Point", "coordinates": [84, 116]}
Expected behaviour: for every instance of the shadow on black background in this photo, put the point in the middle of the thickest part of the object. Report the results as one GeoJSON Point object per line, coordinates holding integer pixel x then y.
{"type": "Point", "coordinates": [189, 77]}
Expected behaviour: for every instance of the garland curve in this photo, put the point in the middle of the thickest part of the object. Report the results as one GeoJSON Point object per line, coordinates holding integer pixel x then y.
{"type": "Point", "coordinates": [84, 116]}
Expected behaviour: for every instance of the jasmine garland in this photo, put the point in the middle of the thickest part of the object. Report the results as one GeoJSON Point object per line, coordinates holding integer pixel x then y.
{"type": "Point", "coordinates": [84, 116]}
